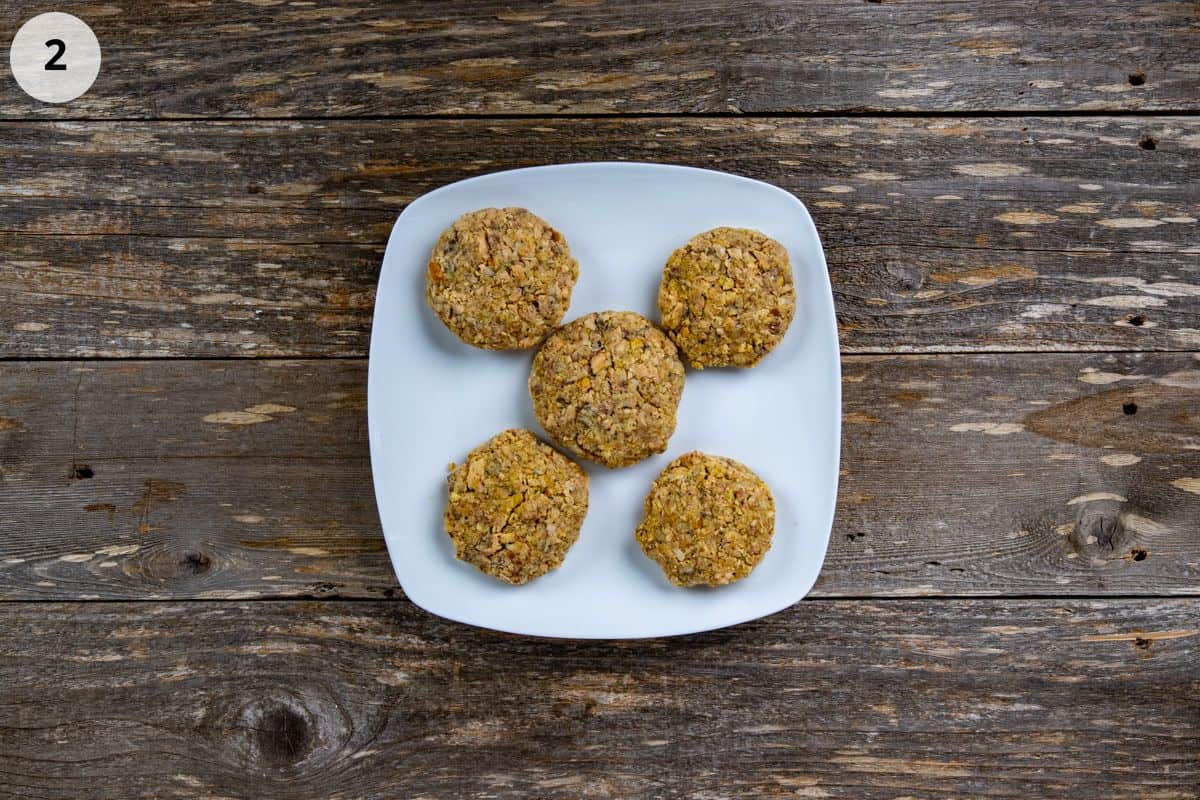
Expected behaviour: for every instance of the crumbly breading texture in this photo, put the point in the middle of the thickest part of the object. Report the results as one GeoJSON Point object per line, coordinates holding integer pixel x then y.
{"type": "Point", "coordinates": [606, 387]}
{"type": "Point", "coordinates": [727, 297]}
{"type": "Point", "coordinates": [515, 507]}
{"type": "Point", "coordinates": [500, 278]}
{"type": "Point", "coordinates": [708, 520]}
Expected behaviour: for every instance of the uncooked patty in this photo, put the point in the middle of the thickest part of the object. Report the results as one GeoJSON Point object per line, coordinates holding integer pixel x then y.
{"type": "Point", "coordinates": [708, 520]}
{"type": "Point", "coordinates": [500, 278]}
{"type": "Point", "coordinates": [727, 297]}
{"type": "Point", "coordinates": [606, 387]}
{"type": "Point", "coordinates": [515, 507]}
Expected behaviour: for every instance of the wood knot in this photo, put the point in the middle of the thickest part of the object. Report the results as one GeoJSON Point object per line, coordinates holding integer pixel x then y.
{"type": "Point", "coordinates": [907, 278]}
{"type": "Point", "coordinates": [170, 563]}
{"type": "Point", "coordinates": [284, 736]}
{"type": "Point", "coordinates": [279, 732]}
{"type": "Point", "coordinates": [195, 563]}
{"type": "Point", "coordinates": [1099, 527]}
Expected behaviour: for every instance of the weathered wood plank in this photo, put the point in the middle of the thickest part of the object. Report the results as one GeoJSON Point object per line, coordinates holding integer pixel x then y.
{"type": "Point", "coordinates": [961, 475]}
{"type": "Point", "coordinates": [998, 699]}
{"type": "Point", "coordinates": [234, 239]}
{"type": "Point", "coordinates": [378, 58]}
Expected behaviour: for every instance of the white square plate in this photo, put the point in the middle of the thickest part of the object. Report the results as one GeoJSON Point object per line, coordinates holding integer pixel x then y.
{"type": "Point", "coordinates": [431, 399]}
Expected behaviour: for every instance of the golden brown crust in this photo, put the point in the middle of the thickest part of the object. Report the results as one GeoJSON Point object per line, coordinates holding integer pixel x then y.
{"type": "Point", "coordinates": [708, 520]}
{"type": "Point", "coordinates": [606, 387]}
{"type": "Point", "coordinates": [516, 506]}
{"type": "Point", "coordinates": [727, 297]}
{"type": "Point", "coordinates": [500, 278]}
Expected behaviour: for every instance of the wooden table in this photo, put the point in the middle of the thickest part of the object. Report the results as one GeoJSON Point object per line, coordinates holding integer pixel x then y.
{"type": "Point", "coordinates": [198, 603]}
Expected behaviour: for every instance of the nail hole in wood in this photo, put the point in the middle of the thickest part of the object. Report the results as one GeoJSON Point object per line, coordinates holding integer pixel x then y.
{"type": "Point", "coordinates": [1137, 320]}
{"type": "Point", "coordinates": [1137, 78]}
{"type": "Point", "coordinates": [1138, 554]}
{"type": "Point", "coordinates": [1144, 644]}
{"type": "Point", "coordinates": [1148, 143]}
{"type": "Point", "coordinates": [1129, 408]}
{"type": "Point", "coordinates": [83, 472]}
{"type": "Point", "coordinates": [254, 188]}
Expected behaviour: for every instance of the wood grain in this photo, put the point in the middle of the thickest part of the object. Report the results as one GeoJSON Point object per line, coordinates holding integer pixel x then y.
{"type": "Point", "coordinates": [134, 222]}
{"type": "Point", "coordinates": [998, 699]}
{"type": "Point", "coordinates": [256, 239]}
{"type": "Point", "coordinates": [961, 475]}
{"type": "Point", "coordinates": [378, 58]}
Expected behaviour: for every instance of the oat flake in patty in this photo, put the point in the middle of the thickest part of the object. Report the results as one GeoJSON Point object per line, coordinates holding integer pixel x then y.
{"type": "Point", "coordinates": [707, 520]}
{"type": "Point", "coordinates": [727, 297]}
{"type": "Point", "coordinates": [606, 387]}
{"type": "Point", "coordinates": [515, 507]}
{"type": "Point", "coordinates": [500, 278]}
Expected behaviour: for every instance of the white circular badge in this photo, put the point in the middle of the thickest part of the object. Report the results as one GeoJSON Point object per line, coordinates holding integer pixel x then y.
{"type": "Point", "coordinates": [55, 57]}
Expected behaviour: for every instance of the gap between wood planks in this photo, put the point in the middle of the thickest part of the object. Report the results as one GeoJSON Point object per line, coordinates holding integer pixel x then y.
{"type": "Point", "coordinates": [355, 357]}
{"type": "Point", "coordinates": [838, 598]}
{"type": "Point", "coordinates": [853, 113]}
